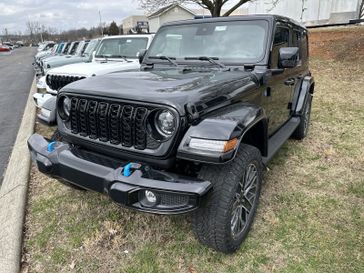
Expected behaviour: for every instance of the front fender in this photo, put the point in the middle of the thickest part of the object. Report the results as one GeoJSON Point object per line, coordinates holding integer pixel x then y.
{"type": "Point", "coordinates": [226, 124]}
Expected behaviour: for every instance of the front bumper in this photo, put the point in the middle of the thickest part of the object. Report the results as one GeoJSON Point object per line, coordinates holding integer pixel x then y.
{"type": "Point", "coordinates": [47, 105]}
{"type": "Point", "coordinates": [175, 194]}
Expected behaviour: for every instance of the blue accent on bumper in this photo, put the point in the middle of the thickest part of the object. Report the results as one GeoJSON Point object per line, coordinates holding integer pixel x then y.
{"type": "Point", "coordinates": [51, 146]}
{"type": "Point", "coordinates": [127, 170]}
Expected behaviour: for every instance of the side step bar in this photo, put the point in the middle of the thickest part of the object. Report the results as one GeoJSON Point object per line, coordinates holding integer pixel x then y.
{"type": "Point", "coordinates": [280, 137]}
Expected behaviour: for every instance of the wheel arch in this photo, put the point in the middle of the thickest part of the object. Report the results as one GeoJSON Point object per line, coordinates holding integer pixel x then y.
{"type": "Point", "coordinates": [244, 121]}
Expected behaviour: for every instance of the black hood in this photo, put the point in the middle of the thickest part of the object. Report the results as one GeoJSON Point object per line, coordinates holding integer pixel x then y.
{"type": "Point", "coordinates": [203, 90]}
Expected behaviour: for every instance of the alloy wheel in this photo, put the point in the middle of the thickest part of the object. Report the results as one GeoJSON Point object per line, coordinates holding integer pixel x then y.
{"type": "Point", "coordinates": [244, 201]}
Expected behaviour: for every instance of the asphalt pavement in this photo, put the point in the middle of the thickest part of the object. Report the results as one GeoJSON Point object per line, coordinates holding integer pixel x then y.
{"type": "Point", "coordinates": [16, 76]}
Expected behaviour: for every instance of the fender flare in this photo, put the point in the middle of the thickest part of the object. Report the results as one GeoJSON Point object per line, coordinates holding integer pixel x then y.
{"type": "Point", "coordinates": [227, 123]}
{"type": "Point", "coordinates": [304, 93]}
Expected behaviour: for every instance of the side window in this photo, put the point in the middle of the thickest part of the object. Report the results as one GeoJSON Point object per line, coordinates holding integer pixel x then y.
{"type": "Point", "coordinates": [297, 41]}
{"type": "Point", "coordinates": [304, 46]}
{"type": "Point", "coordinates": [281, 39]}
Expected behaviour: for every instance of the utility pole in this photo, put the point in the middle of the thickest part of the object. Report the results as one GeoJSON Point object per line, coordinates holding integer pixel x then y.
{"type": "Point", "coordinates": [102, 29]}
{"type": "Point", "coordinates": [41, 34]}
{"type": "Point", "coordinates": [6, 35]}
{"type": "Point", "coordinates": [303, 9]}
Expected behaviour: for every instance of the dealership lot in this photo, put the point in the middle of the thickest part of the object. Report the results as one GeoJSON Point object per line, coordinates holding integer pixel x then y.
{"type": "Point", "coordinates": [16, 76]}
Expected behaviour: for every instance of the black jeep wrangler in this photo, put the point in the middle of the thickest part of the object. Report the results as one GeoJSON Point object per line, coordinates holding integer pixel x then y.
{"type": "Point", "coordinates": [192, 130]}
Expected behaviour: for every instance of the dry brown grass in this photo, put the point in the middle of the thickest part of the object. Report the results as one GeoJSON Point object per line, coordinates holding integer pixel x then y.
{"type": "Point", "coordinates": [310, 217]}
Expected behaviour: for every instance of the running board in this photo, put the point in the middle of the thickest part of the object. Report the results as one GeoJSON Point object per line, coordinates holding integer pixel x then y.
{"type": "Point", "coordinates": [280, 137]}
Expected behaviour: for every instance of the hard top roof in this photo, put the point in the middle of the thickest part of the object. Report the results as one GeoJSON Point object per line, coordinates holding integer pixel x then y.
{"type": "Point", "coordinates": [269, 17]}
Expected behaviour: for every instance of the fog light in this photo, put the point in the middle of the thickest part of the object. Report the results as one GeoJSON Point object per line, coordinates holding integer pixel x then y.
{"type": "Point", "coordinates": [150, 196]}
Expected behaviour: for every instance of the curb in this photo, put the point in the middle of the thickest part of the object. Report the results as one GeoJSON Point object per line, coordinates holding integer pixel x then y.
{"type": "Point", "coordinates": [13, 193]}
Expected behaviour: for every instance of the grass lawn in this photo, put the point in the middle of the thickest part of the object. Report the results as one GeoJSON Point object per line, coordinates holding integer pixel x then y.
{"type": "Point", "coordinates": [310, 217]}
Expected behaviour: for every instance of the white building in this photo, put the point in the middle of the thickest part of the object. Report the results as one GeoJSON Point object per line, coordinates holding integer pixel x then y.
{"type": "Point", "coordinates": [173, 12]}
{"type": "Point", "coordinates": [132, 21]}
{"type": "Point", "coordinates": [310, 12]}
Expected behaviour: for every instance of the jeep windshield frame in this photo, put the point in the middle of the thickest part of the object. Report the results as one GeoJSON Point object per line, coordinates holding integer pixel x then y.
{"type": "Point", "coordinates": [121, 48]}
{"type": "Point", "coordinates": [231, 42]}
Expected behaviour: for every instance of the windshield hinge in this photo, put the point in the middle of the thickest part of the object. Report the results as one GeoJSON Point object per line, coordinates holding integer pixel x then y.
{"type": "Point", "coordinates": [192, 112]}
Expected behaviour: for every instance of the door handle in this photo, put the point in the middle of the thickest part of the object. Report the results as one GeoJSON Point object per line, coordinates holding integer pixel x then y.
{"type": "Point", "coordinates": [290, 82]}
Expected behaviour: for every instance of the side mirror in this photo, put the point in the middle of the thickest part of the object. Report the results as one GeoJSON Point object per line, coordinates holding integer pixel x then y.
{"type": "Point", "coordinates": [141, 55]}
{"type": "Point", "coordinates": [288, 57]}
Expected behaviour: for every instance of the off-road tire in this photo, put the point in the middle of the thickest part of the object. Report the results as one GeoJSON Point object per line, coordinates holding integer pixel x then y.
{"type": "Point", "coordinates": [303, 128]}
{"type": "Point", "coordinates": [212, 223]}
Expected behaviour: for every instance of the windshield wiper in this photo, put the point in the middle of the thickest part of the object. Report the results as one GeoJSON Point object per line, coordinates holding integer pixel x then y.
{"type": "Point", "coordinates": [108, 57]}
{"type": "Point", "coordinates": [119, 56]}
{"type": "Point", "coordinates": [212, 60]}
{"type": "Point", "coordinates": [170, 59]}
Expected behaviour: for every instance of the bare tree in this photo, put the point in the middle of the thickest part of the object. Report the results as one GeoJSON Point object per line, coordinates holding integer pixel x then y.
{"type": "Point", "coordinates": [33, 28]}
{"type": "Point", "coordinates": [214, 6]}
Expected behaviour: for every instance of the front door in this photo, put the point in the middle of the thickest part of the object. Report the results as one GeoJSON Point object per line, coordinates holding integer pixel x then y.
{"type": "Point", "coordinates": [280, 86]}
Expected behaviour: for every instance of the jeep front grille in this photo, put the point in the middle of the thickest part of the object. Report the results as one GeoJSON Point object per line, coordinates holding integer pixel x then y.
{"type": "Point", "coordinates": [112, 122]}
{"type": "Point", "coordinates": [56, 82]}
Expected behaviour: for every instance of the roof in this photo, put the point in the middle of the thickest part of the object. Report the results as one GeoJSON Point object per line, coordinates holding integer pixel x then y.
{"type": "Point", "coordinates": [145, 35]}
{"type": "Point", "coordinates": [268, 17]}
{"type": "Point", "coordinates": [167, 8]}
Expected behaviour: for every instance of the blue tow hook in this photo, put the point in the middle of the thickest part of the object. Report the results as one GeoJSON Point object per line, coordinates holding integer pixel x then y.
{"type": "Point", "coordinates": [127, 170]}
{"type": "Point", "coordinates": [130, 167]}
{"type": "Point", "coordinates": [51, 146]}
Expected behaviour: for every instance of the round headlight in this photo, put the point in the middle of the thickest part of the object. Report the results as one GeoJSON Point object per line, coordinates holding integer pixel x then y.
{"type": "Point", "coordinates": [165, 122]}
{"type": "Point", "coordinates": [64, 107]}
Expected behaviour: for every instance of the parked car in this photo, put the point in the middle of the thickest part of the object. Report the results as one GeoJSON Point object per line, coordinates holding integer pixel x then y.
{"type": "Point", "coordinates": [115, 53]}
{"type": "Point", "coordinates": [82, 54]}
{"type": "Point", "coordinates": [61, 49]}
{"type": "Point", "coordinates": [46, 45]}
{"type": "Point", "coordinates": [44, 54]}
{"type": "Point", "coordinates": [4, 50]}
{"type": "Point", "coordinates": [192, 131]}
{"type": "Point", "coordinates": [9, 45]}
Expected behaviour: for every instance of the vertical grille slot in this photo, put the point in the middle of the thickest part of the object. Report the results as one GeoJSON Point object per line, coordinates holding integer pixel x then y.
{"type": "Point", "coordinates": [82, 112]}
{"type": "Point", "coordinates": [92, 119]}
{"type": "Point", "coordinates": [74, 114]}
{"type": "Point", "coordinates": [110, 122]}
{"type": "Point", "coordinates": [139, 123]}
{"type": "Point", "coordinates": [114, 116]}
{"type": "Point", "coordinates": [102, 112]}
{"type": "Point", "coordinates": [127, 126]}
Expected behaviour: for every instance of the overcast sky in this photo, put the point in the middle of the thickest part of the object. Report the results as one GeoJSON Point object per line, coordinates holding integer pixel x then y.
{"type": "Point", "coordinates": [63, 14]}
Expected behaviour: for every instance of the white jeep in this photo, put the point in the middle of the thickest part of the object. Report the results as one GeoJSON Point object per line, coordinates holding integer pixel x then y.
{"type": "Point", "coordinates": [114, 53]}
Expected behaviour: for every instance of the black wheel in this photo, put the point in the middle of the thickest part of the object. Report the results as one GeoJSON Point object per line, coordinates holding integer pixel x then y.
{"type": "Point", "coordinates": [226, 219]}
{"type": "Point", "coordinates": [302, 129]}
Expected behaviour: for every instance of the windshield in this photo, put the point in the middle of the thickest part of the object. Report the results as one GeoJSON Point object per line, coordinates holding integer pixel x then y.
{"type": "Point", "coordinates": [121, 47]}
{"type": "Point", "coordinates": [60, 48]}
{"type": "Point", "coordinates": [90, 47]}
{"type": "Point", "coordinates": [80, 48]}
{"type": "Point", "coordinates": [73, 48]}
{"type": "Point", "coordinates": [66, 47]}
{"type": "Point", "coordinates": [234, 41]}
